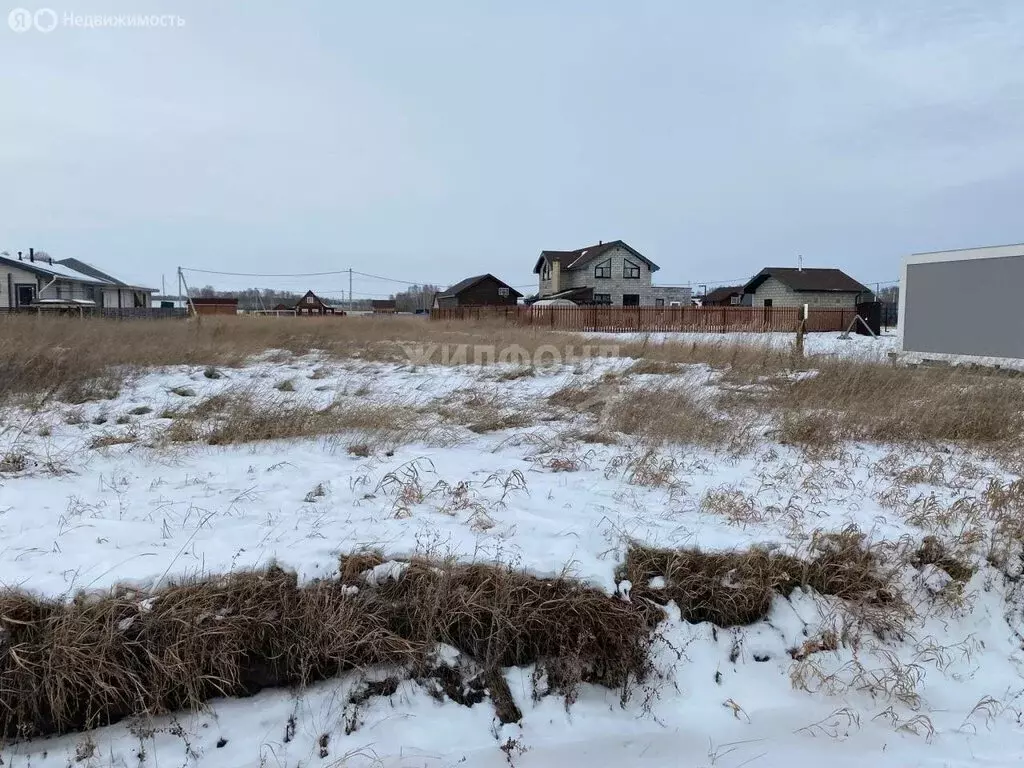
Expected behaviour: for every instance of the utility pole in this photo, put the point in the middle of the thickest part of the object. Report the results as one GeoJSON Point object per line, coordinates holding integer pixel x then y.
{"type": "Point", "coordinates": [350, 305]}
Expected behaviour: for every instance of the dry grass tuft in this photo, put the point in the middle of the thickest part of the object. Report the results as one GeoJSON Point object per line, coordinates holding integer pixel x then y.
{"type": "Point", "coordinates": [246, 415]}
{"type": "Point", "coordinates": [96, 660]}
{"type": "Point", "coordinates": [737, 588]}
{"type": "Point", "coordinates": [933, 552]}
{"type": "Point", "coordinates": [668, 415]}
{"type": "Point", "coordinates": [67, 666]}
{"type": "Point", "coordinates": [502, 617]}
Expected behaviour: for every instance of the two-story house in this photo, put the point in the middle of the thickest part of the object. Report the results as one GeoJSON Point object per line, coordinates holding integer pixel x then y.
{"type": "Point", "coordinates": [607, 273]}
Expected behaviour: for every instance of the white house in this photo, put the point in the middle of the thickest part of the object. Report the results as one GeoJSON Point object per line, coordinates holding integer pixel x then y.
{"type": "Point", "coordinates": [33, 279]}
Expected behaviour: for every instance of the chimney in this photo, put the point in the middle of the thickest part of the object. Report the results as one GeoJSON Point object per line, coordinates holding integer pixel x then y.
{"type": "Point", "coordinates": [556, 275]}
{"type": "Point", "coordinates": [32, 255]}
{"type": "Point", "coordinates": [600, 242]}
{"type": "Point", "coordinates": [19, 256]}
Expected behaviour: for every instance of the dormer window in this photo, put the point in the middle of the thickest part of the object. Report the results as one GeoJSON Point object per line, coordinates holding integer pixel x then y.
{"type": "Point", "coordinates": [630, 271]}
{"type": "Point", "coordinates": [603, 271]}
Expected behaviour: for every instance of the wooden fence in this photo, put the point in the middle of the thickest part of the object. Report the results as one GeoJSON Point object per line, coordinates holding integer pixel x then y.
{"type": "Point", "coordinates": [655, 319]}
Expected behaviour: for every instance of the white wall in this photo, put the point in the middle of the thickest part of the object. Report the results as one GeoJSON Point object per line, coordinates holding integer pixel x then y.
{"type": "Point", "coordinates": [9, 278]}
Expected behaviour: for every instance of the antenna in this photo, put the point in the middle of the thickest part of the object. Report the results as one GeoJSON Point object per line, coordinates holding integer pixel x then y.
{"type": "Point", "coordinates": [800, 262]}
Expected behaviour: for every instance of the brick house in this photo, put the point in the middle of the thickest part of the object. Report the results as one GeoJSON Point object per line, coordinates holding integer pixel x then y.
{"type": "Point", "coordinates": [479, 291]}
{"type": "Point", "coordinates": [607, 273]}
{"type": "Point", "coordinates": [794, 287]}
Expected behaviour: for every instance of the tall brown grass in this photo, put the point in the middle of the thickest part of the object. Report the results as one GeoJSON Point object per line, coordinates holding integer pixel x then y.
{"type": "Point", "coordinates": [65, 357]}
{"type": "Point", "coordinates": [66, 666]}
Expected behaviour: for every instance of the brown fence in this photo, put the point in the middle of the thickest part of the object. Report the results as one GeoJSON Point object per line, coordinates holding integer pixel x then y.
{"type": "Point", "coordinates": [657, 319]}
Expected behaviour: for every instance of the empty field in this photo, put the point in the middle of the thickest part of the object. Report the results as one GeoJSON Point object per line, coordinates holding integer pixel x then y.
{"type": "Point", "coordinates": [256, 542]}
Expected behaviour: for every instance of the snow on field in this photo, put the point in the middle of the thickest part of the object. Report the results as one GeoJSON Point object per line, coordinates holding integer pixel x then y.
{"type": "Point", "coordinates": [78, 517]}
{"type": "Point", "coordinates": [821, 343]}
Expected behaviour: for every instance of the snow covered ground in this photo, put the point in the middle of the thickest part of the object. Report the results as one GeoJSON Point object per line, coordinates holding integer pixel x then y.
{"type": "Point", "coordinates": [948, 693]}
{"type": "Point", "coordinates": [829, 343]}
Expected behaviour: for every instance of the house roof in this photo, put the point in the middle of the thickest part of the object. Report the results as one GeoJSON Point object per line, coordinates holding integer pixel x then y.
{"type": "Point", "coordinates": [808, 279]}
{"type": "Point", "coordinates": [88, 269]}
{"type": "Point", "coordinates": [723, 293]}
{"type": "Point", "coordinates": [69, 269]}
{"type": "Point", "coordinates": [581, 256]}
{"type": "Point", "coordinates": [469, 282]}
{"type": "Point", "coordinates": [56, 269]}
{"type": "Point", "coordinates": [382, 303]}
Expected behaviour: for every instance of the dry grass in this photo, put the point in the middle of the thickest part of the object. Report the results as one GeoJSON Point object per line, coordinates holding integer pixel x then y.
{"type": "Point", "coordinates": [664, 414]}
{"type": "Point", "coordinates": [99, 659]}
{"type": "Point", "coordinates": [68, 355]}
{"type": "Point", "coordinates": [69, 666]}
{"type": "Point", "coordinates": [737, 588]}
{"type": "Point", "coordinates": [245, 415]}
{"type": "Point", "coordinates": [882, 403]}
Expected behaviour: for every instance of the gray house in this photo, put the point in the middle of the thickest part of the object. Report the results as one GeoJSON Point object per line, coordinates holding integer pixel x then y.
{"type": "Point", "coordinates": [609, 273]}
{"type": "Point", "coordinates": [941, 288]}
{"type": "Point", "coordinates": [36, 279]}
{"type": "Point", "coordinates": [796, 286]}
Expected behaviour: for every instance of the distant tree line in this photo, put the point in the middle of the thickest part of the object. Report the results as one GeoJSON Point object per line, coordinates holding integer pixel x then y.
{"type": "Point", "coordinates": [414, 298]}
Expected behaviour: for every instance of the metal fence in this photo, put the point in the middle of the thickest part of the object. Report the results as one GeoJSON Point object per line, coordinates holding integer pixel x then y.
{"type": "Point", "coordinates": [654, 319]}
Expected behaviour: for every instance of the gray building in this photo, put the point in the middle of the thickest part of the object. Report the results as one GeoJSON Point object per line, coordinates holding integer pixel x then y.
{"type": "Point", "coordinates": [797, 286]}
{"type": "Point", "coordinates": [936, 289]}
{"type": "Point", "coordinates": [610, 273]}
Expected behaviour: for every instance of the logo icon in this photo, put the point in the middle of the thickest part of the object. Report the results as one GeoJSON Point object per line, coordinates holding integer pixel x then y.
{"type": "Point", "coordinates": [45, 20]}
{"type": "Point", "coordinates": [20, 20]}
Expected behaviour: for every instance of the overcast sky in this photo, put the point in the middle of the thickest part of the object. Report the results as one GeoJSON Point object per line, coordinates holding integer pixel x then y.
{"type": "Point", "coordinates": [429, 141]}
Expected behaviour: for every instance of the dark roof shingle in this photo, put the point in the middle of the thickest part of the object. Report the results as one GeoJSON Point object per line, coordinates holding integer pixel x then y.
{"type": "Point", "coordinates": [808, 279]}
{"type": "Point", "coordinates": [579, 257]}
{"type": "Point", "coordinates": [469, 282]}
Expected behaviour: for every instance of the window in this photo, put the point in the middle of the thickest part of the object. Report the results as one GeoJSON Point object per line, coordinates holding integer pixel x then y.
{"type": "Point", "coordinates": [630, 271]}
{"type": "Point", "coordinates": [631, 299]}
{"type": "Point", "coordinates": [603, 271]}
{"type": "Point", "coordinates": [602, 298]}
{"type": "Point", "coordinates": [767, 302]}
{"type": "Point", "coordinates": [545, 271]}
{"type": "Point", "coordinates": [503, 290]}
{"type": "Point", "coordinates": [735, 299]}
{"type": "Point", "coordinates": [659, 302]}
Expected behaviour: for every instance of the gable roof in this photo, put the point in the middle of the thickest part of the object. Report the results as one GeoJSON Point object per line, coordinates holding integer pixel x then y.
{"type": "Point", "coordinates": [723, 293]}
{"type": "Point", "coordinates": [88, 269]}
{"type": "Point", "coordinates": [68, 269]}
{"type": "Point", "coordinates": [56, 269]}
{"type": "Point", "coordinates": [808, 279]}
{"type": "Point", "coordinates": [469, 282]}
{"type": "Point", "coordinates": [581, 256]}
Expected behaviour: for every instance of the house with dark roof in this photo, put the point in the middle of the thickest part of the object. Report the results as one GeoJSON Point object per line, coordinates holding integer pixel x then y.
{"type": "Point", "coordinates": [726, 296]}
{"type": "Point", "coordinates": [796, 286]}
{"type": "Point", "coordinates": [311, 304]}
{"type": "Point", "coordinates": [384, 306]}
{"type": "Point", "coordinates": [611, 273]}
{"type": "Point", "coordinates": [37, 279]}
{"type": "Point", "coordinates": [478, 291]}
